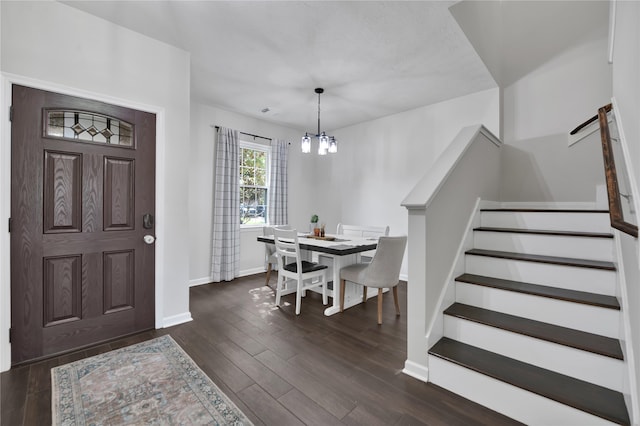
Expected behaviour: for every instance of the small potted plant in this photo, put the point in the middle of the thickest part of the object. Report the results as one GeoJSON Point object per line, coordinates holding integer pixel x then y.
{"type": "Point", "coordinates": [314, 225]}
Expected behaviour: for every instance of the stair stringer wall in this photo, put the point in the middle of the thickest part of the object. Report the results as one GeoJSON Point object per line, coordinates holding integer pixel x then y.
{"type": "Point", "coordinates": [439, 207]}
{"type": "Point", "coordinates": [435, 329]}
{"type": "Point", "coordinates": [630, 385]}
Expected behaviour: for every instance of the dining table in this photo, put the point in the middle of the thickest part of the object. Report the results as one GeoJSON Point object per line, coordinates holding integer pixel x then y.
{"type": "Point", "coordinates": [335, 251]}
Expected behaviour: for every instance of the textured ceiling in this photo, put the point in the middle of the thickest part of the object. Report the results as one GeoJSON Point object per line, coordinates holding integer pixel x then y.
{"type": "Point", "coordinates": [513, 38]}
{"type": "Point", "coordinates": [372, 58]}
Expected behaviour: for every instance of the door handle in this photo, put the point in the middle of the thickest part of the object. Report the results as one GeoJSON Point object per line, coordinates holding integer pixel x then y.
{"type": "Point", "coordinates": [149, 239]}
{"type": "Point", "coordinates": [147, 221]}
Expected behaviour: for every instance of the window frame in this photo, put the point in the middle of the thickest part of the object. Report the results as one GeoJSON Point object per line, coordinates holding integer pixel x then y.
{"type": "Point", "coordinates": [245, 144]}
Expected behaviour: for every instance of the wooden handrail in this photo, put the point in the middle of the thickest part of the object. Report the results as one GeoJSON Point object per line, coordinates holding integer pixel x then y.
{"type": "Point", "coordinates": [613, 190]}
{"type": "Point", "coordinates": [589, 121]}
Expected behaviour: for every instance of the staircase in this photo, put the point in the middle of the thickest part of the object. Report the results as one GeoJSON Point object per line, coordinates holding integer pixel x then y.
{"type": "Point", "coordinates": [535, 329]}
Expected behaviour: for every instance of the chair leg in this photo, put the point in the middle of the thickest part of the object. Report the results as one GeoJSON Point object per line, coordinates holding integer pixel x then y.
{"type": "Point", "coordinates": [364, 294]}
{"type": "Point", "coordinates": [299, 296]}
{"type": "Point", "coordinates": [279, 289]}
{"type": "Point", "coordinates": [379, 306]}
{"type": "Point", "coordinates": [325, 298]}
{"type": "Point", "coordinates": [268, 273]}
{"type": "Point", "coordinates": [395, 300]}
{"type": "Point", "coordinates": [342, 295]}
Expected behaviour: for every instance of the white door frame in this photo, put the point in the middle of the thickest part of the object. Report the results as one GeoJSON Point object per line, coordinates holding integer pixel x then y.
{"type": "Point", "coordinates": [6, 81]}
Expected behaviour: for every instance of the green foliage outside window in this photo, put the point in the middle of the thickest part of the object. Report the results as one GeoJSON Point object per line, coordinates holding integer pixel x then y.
{"type": "Point", "coordinates": [253, 186]}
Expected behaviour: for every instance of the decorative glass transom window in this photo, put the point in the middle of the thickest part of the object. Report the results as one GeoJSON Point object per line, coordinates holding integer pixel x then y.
{"type": "Point", "coordinates": [88, 127]}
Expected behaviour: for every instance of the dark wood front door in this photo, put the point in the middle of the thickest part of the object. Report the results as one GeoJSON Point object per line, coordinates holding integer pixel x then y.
{"type": "Point", "coordinates": [82, 201]}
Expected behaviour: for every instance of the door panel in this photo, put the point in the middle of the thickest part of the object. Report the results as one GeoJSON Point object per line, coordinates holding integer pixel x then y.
{"type": "Point", "coordinates": [82, 179]}
{"type": "Point", "coordinates": [62, 192]}
{"type": "Point", "coordinates": [119, 289]}
{"type": "Point", "coordinates": [62, 282]}
{"type": "Point", "coordinates": [119, 180]}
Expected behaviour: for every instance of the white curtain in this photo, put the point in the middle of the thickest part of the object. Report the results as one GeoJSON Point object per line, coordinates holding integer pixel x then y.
{"type": "Point", "coordinates": [225, 262]}
{"type": "Point", "coordinates": [277, 196]}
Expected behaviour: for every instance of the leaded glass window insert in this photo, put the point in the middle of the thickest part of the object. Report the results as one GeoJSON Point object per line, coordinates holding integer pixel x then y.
{"type": "Point", "coordinates": [88, 127]}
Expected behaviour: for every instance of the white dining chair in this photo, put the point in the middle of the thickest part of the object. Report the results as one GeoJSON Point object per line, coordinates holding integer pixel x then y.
{"type": "Point", "coordinates": [270, 255]}
{"type": "Point", "coordinates": [308, 275]}
{"type": "Point", "coordinates": [383, 271]}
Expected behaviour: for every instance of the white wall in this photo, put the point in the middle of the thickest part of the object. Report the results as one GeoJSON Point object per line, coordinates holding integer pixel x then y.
{"type": "Point", "coordinates": [203, 120]}
{"type": "Point", "coordinates": [55, 46]}
{"type": "Point", "coordinates": [626, 80]}
{"type": "Point", "coordinates": [379, 162]}
{"type": "Point", "coordinates": [626, 92]}
{"type": "Point", "coordinates": [540, 110]}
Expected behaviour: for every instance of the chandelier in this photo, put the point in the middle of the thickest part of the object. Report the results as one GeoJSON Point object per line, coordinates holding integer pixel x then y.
{"type": "Point", "coordinates": [325, 143]}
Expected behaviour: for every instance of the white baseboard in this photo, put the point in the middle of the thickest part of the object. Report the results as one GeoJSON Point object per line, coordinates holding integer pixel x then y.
{"type": "Point", "coordinates": [208, 280]}
{"type": "Point", "coordinates": [176, 319]}
{"type": "Point", "coordinates": [252, 271]}
{"type": "Point", "coordinates": [200, 281]}
{"type": "Point", "coordinates": [415, 370]}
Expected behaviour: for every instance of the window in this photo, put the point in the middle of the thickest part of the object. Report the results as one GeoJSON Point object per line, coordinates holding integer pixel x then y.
{"type": "Point", "coordinates": [88, 127]}
{"type": "Point", "coordinates": [254, 183]}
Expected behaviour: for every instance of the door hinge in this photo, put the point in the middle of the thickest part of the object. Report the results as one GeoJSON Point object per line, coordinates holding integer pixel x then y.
{"type": "Point", "coordinates": [11, 113]}
{"type": "Point", "coordinates": [10, 225]}
{"type": "Point", "coordinates": [10, 334]}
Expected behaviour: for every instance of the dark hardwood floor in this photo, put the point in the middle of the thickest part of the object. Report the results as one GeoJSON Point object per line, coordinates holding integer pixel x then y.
{"type": "Point", "coordinates": [281, 369]}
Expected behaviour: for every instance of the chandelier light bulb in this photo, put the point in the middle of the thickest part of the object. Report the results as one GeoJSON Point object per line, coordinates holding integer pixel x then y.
{"type": "Point", "coordinates": [333, 146]}
{"type": "Point", "coordinates": [306, 143]}
{"type": "Point", "coordinates": [324, 141]}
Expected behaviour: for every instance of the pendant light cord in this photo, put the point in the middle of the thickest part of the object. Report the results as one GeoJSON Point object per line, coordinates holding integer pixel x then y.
{"type": "Point", "coordinates": [318, 114]}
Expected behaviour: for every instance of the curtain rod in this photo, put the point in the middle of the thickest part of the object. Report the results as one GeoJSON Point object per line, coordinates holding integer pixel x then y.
{"type": "Point", "coordinates": [248, 134]}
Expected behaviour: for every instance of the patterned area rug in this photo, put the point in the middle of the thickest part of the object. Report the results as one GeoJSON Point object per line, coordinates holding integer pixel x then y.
{"type": "Point", "coordinates": [153, 382]}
